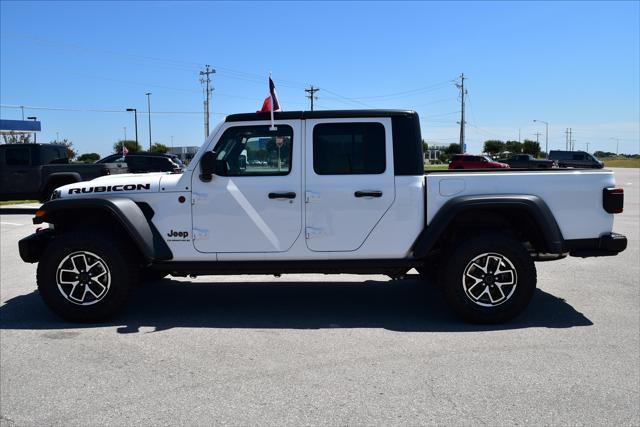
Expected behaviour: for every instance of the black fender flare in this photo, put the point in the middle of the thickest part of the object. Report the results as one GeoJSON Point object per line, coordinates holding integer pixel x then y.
{"type": "Point", "coordinates": [533, 205]}
{"type": "Point", "coordinates": [135, 218]}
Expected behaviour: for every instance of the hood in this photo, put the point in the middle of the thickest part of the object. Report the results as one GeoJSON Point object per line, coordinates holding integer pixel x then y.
{"type": "Point", "coordinates": [113, 185]}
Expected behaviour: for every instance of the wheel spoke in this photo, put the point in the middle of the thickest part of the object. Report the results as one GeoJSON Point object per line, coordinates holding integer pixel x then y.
{"type": "Point", "coordinates": [489, 279]}
{"type": "Point", "coordinates": [83, 278]}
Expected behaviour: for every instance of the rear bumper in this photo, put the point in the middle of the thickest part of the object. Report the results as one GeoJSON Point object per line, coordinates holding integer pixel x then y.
{"type": "Point", "coordinates": [606, 245]}
{"type": "Point", "coordinates": [32, 247]}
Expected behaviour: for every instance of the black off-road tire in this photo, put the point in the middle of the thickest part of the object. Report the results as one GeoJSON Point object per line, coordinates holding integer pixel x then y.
{"type": "Point", "coordinates": [71, 251]}
{"type": "Point", "coordinates": [483, 303]}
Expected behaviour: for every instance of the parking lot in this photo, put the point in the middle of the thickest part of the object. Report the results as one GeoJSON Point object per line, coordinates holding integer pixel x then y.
{"type": "Point", "coordinates": [327, 349]}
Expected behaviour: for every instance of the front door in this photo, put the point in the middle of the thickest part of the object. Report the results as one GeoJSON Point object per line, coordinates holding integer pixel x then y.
{"type": "Point", "coordinates": [349, 181]}
{"type": "Point", "coordinates": [254, 201]}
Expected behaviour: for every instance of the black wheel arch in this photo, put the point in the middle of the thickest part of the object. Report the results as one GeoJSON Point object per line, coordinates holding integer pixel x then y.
{"type": "Point", "coordinates": [116, 214]}
{"type": "Point", "coordinates": [527, 215]}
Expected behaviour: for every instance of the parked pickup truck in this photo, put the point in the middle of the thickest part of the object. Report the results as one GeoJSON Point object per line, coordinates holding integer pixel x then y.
{"type": "Point", "coordinates": [33, 171]}
{"type": "Point", "coordinates": [341, 192]}
{"type": "Point", "coordinates": [527, 161]}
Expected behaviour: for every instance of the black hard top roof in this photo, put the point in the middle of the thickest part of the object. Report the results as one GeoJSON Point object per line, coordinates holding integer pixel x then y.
{"type": "Point", "coordinates": [322, 114]}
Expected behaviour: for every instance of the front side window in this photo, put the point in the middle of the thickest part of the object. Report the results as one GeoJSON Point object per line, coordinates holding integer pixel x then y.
{"type": "Point", "coordinates": [255, 151]}
{"type": "Point", "coordinates": [349, 148]}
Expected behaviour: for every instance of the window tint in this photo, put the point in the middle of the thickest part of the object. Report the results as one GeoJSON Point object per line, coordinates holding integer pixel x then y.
{"type": "Point", "coordinates": [255, 150]}
{"type": "Point", "coordinates": [17, 156]}
{"type": "Point", "coordinates": [349, 148]}
{"type": "Point", "coordinates": [162, 164]}
{"type": "Point", "coordinates": [579, 156]}
{"type": "Point", "coordinates": [138, 163]}
{"type": "Point", "coordinates": [52, 155]}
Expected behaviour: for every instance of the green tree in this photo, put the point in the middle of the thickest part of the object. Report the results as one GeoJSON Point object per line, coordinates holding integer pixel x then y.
{"type": "Point", "coordinates": [493, 146]}
{"type": "Point", "coordinates": [159, 148]}
{"type": "Point", "coordinates": [531, 147]}
{"type": "Point", "coordinates": [514, 147]}
{"type": "Point", "coordinates": [131, 145]}
{"type": "Point", "coordinates": [425, 146]}
{"type": "Point", "coordinates": [452, 149]}
{"type": "Point", "coordinates": [88, 157]}
{"type": "Point", "coordinates": [71, 152]}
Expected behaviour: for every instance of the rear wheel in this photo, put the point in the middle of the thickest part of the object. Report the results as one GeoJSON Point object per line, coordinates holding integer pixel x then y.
{"type": "Point", "coordinates": [86, 277]}
{"type": "Point", "coordinates": [490, 278]}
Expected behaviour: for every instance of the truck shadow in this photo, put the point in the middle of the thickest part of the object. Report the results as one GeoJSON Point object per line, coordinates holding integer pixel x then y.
{"type": "Point", "coordinates": [18, 211]}
{"type": "Point", "coordinates": [406, 305]}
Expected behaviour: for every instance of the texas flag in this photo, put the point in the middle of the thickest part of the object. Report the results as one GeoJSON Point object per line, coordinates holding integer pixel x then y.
{"type": "Point", "coordinates": [124, 150]}
{"type": "Point", "coordinates": [271, 102]}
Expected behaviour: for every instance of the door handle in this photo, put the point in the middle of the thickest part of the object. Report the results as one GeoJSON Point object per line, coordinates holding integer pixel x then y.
{"type": "Point", "coordinates": [288, 195]}
{"type": "Point", "coordinates": [368, 194]}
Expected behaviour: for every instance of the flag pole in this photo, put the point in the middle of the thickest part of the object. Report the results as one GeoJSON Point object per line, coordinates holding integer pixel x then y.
{"type": "Point", "coordinates": [273, 126]}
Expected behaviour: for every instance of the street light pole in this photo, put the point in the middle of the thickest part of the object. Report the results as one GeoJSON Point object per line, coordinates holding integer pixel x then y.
{"type": "Point", "coordinates": [149, 111]}
{"type": "Point", "coordinates": [546, 136]}
{"type": "Point", "coordinates": [135, 114]}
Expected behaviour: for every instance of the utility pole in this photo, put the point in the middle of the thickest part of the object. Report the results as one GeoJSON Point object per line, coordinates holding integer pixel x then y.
{"type": "Point", "coordinates": [566, 139]}
{"type": "Point", "coordinates": [587, 147]}
{"type": "Point", "coordinates": [311, 91]}
{"type": "Point", "coordinates": [125, 133]}
{"type": "Point", "coordinates": [135, 115]}
{"type": "Point", "coordinates": [617, 144]}
{"type": "Point", "coordinates": [546, 136]}
{"type": "Point", "coordinates": [519, 136]}
{"type": "Point", "coordinates": [22, 108]}
{"type": "Point", "coordinates": [570, 141]}
{"type": "Point", "coordinates": [462, 122]}
{"type": "Point", "coordinates": [205, 80]}
{"type": "Point", "coordinates": [537, 134]}
{"type": "Point", "coordinates": [149, 112]}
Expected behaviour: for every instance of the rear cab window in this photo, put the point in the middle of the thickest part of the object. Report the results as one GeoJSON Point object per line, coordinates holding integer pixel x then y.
{"type": "Point", "coordinates": [349, 148]}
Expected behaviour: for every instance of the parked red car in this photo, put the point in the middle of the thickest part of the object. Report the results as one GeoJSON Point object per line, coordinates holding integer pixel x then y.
{"type": "Point", "coordinates": [470, 161]}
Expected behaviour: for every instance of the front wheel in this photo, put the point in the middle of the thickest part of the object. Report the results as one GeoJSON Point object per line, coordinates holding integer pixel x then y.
{"type": "Point", "coordinates": [86, 277]}
{"type": "Point", "coordinates": [489, 279]}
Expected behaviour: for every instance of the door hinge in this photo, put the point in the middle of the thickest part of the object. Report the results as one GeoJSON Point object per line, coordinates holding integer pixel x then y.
{"type": "Point", "coordinates": [311, 197]}
{"type": "Point", "coordinates": [197, 197]}
{"type": "Point", "coordinates": [310, 232]}
{"type": "Point", "coordinates": [200, 234]}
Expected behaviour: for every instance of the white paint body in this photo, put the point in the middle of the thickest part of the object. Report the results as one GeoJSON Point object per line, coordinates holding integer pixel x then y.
{"type": "Point", "coordinates": [231, 218]}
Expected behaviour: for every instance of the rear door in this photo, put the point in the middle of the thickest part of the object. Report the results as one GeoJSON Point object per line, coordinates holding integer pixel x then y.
{"type": "Point", "coordinates": [17, 175]}
{"type": "Point", "coordinates": [349, 181]}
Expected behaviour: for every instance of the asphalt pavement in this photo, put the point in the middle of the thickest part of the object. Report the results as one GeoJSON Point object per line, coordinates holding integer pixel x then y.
{"type": "Point", "coordinates": [327, 349]}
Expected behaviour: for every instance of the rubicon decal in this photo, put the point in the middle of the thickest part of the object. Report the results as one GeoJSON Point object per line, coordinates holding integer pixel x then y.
{"type": "Point", "coordinates": [109, 188]}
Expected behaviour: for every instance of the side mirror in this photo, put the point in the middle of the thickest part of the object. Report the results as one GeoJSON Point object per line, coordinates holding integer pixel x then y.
{"type": "Point", "coordinates": [207, 166]}
{"type": "Point", "coordinates": [222, 168]}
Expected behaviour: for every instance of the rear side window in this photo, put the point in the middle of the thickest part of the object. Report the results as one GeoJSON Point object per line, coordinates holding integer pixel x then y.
{"type": "Point", "coordinates": [162, 164]}
{"type": "Point", "coordinates": [17, 156]}
{"type": "Point", "coordinates": [349, 148]}
{"type": "Point", "coordinates": [52, 154]}
{"type": "Point", "coordinates": [138, 162]}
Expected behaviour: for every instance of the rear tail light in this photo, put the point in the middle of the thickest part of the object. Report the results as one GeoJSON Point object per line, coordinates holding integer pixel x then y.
{"type": "Point", "coordinates": [613, 200]}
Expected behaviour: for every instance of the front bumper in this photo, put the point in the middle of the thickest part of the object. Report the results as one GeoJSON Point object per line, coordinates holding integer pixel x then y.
{"type": "Point", "coordinates": [606, 245]}
{"type": "Point", "coordinates": [32, 247]}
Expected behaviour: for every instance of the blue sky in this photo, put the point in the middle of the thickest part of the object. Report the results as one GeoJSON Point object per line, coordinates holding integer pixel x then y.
{"type": "Point", "coordinates": [573, 64]}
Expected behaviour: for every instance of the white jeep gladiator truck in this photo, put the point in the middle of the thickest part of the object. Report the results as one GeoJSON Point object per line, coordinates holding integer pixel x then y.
{"type": "Point", "coordinates": [320, 192]}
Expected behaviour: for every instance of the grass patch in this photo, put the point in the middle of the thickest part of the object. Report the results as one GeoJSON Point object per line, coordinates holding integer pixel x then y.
{"type": "Point", "coordinates": [622, 163]}
{"type": "Point", "coordinates": [435, 167]}
{"type": "Point", "coordinates": [17, 202]}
